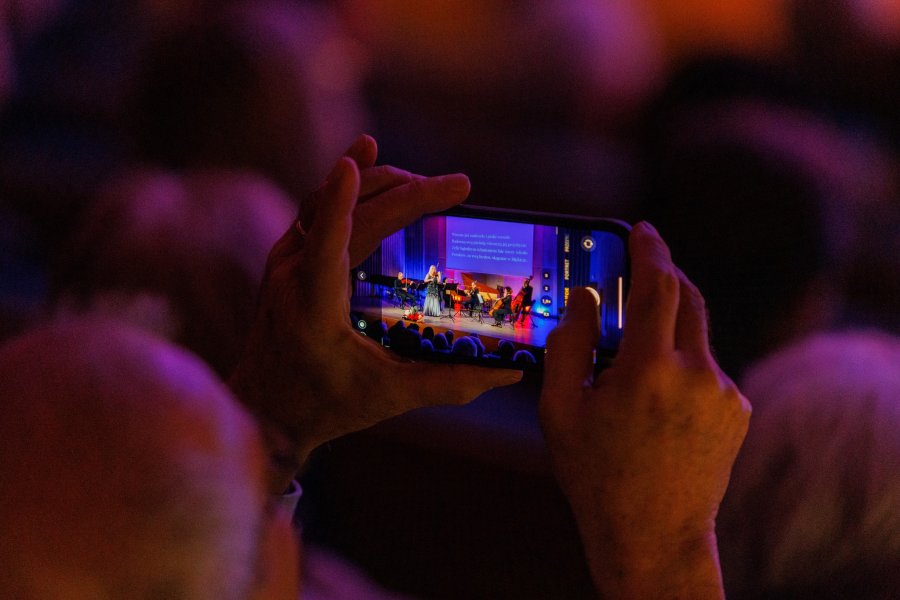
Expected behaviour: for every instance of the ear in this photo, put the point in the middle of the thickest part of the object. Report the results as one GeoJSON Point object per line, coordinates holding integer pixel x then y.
{"type": "Point", "coordinates": [279, 560]}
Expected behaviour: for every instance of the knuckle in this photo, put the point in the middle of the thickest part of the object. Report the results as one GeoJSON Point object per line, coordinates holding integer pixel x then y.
{"type": "Point", "coordinates": [708, 381]}
{"type": "Point", "coordinates": [716, 382]}
{"type": "Point", "coordinates": [739, 401]}
{"type": "Point", "coordinates": [401, 175]}
{"type": "Point", "coordinates": [664, 281]}
{"type": "Point", "coordinates": [667, 281]}
{"type": "Point", "coordinates": [387, 172]}
{"type": "Point", "coordinates": [695, 296]}
{"type": "Point", "coordinates": [379, 171]}
{"type": "Point", "coordinates": [417, 187]}
{"type": "Point", "coordinates": [731, 397]}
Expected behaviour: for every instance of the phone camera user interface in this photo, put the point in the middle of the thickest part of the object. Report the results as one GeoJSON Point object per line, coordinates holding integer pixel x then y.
{"type": "Point", "coordinates": [475, 290]}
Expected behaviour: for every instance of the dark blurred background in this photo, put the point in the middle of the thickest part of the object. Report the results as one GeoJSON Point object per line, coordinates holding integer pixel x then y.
{"type": "Point", "coordinates": [151, 151]}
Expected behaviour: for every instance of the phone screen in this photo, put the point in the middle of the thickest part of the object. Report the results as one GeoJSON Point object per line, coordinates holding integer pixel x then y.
{"type": "Point", "coordinates": [487, 287]}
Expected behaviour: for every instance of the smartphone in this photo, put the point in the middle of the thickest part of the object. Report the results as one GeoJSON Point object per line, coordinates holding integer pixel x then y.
{"type": "Point", "coordinates": [483, 286]}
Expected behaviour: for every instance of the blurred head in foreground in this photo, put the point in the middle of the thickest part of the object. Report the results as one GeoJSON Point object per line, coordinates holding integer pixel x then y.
{"type": "Point", "coordinates": [182, 255]}
{"type": "Point", "coordinates": [128, 471]}
{"type": "Point", "coordinates": [786, 221]}
{"type": "Point", "coordinates": [813, 508]}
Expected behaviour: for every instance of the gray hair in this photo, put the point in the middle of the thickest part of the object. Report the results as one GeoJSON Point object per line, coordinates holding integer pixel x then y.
{"type": "Point", "coordinates": [813, 509]}
{"type": "Point", "coordinates": [127, 470]}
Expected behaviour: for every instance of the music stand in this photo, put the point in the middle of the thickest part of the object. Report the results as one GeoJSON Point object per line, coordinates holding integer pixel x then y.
{"type": "Point", "coordinates": [415, 288]}
{"type": "Point", "coordinates": [462, 303]}
{"type": "Point", "coordinates": [449, 287]}
{"type": "Point", "coordinates": [485, 308]}
{"type": "Point", "coordinates": [476, 312]}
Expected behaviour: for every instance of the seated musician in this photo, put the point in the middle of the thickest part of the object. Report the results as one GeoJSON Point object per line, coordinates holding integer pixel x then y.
{"type": "Point", "coordinates": [400, 290]}
{"type": "Point", "coordinates": [502, 307]}
{"type": "Point", "coordinates": [474, 300]}
{"type": "Point", "coordinates": [524, 302]}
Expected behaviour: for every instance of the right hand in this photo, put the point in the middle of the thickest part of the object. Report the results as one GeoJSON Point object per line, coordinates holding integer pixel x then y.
{"type": "Point", "coordinates": [644, 452]}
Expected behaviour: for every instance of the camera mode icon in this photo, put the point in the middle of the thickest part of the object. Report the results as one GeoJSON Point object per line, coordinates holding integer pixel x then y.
{"type": "Point", "coordinates": [588, 243]}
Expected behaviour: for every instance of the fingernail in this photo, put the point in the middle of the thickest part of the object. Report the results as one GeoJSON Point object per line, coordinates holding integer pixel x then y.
{"type": "Point", "coordinates": [357, 147]}
{"type": "Point", "coordinates": [648, 227]}
{"type": "Point", "coordinates": [456, 183]}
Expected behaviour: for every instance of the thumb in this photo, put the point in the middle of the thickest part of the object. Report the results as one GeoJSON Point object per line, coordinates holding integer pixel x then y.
{"type": "Point", "coordinates": [569, 362]}
{"type": "Point", "coordinates": [469, 381]}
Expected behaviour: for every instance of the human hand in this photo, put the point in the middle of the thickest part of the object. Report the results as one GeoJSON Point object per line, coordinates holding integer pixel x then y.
{"type": "Point", "coordinates": [389, 199]}
{"type": "Point", "coordinates": [644, 452]}
{"type": "Point", "coordinates": [305, 368]}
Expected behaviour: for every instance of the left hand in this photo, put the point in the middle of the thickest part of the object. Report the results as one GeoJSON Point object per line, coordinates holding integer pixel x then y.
{"type": "Point", "coordinates": [305, 367]}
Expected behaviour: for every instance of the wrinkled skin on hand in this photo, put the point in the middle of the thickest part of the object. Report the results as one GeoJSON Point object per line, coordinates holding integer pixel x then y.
{"type": "Point", "coordinates": [644, 451]}
{"type": "Point", "coordinates": [305, 368]}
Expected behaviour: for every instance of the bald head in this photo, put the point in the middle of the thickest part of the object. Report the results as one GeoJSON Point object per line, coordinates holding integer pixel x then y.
{"type": "Point", "coordinates": [127, 470]}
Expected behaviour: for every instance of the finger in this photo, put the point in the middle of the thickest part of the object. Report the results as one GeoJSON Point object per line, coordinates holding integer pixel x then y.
{"type": "Point", "coordinates": [324, 258]}
{"type": "Point", "coordinates": [287, 246]}
{"type": "Point", "coordinates": [691, 329]}
{"type": "Point", "coordinates": [330, 234]}
{"type": "Point", "coordinates": [469, 381]}
{"type": "Point", "coordinates": [384, 214]}
{"type": "Point", "coordinates": [652, 308]}
{"type": "Point", "coordinates": [364, 152]}
{"type": "Point", "coordinates": [377, 180]}
{"type": "Point", "coordinates": [309, 206]}
{"type": "Point", "coordinates": [569, 362]}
